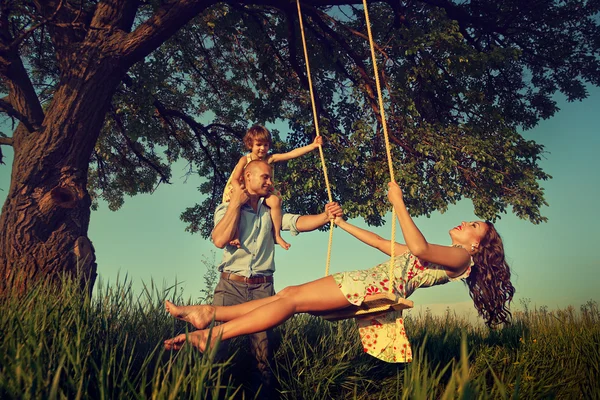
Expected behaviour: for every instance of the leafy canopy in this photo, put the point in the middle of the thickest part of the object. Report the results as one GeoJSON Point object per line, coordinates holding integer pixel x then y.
{"type": "Point", "coordinates": [461, 80]}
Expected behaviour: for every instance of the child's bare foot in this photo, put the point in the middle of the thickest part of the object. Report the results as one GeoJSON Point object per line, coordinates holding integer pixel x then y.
{"type": "Point", "coordinates": [236, 242]}
{"type": "Point", "coordinates": [200, 316]}
{"type": "Point", "coordinates": [282, 242]}
{"type": "Point", "coordinates": [197, 339]}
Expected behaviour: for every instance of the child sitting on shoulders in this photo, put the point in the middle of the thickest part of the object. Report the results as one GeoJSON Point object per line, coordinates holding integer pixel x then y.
{"type": "Point", "coordinates": [258, 141]}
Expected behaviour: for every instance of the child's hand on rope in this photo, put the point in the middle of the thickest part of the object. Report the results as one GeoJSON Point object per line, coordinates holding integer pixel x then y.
{"type": "Point", "coordinates": [318, 141]}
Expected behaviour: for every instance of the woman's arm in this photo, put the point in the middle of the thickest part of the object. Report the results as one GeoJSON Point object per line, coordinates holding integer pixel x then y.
{"type": "Point", "coordinates": [370, 238]}
{"type": "Point", "coordinates": [300, 151]}
{"type": "Point", "coordinates": [455, 259]}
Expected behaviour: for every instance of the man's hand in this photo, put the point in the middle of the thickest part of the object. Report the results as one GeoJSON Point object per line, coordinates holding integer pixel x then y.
{"type": "Point", "coordinates": [225, 230]}
{"type": "Point", "coordinates": [239, 195]}
{"type": "Point", "coordinates": [333, 210]}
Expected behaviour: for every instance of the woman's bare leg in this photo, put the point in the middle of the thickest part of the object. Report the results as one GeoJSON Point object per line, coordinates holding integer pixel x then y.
{"type": "Point", "coordinates": [201, 315]}
{"type": "Point", "coordinates": [320, 295]}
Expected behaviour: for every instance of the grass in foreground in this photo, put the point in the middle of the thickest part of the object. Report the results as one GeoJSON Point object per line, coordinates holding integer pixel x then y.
{"type": "Point", "coordinates": [62, 344]}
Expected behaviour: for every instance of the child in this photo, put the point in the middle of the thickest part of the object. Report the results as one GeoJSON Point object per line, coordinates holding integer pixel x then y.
{"type": "Point", "coordinates": [258, 141]}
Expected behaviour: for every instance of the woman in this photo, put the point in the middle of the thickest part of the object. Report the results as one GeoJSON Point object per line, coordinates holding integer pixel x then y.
{"type": "Point", "coordinates": [476, 255]}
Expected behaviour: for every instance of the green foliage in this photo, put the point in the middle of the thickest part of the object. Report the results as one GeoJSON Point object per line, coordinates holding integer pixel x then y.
{"type": "Point", "coordinates": [461, 81]}
{"type": "Point", "coordinates": [211, 278]}
{"type": "Point", "coordinates": [59, 343]}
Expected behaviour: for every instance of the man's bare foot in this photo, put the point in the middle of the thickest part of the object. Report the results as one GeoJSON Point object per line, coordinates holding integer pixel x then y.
{"type": "Point", "coordinates": [200, 315]}
{"type": "Point", "coordinates": [235, 242]}
{"type": "Point", "coordinates": [197, 339]}
{"type": "Point", "coordinates": [282, 242]}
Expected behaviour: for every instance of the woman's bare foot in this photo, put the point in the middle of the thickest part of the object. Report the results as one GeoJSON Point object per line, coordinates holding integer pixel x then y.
{"type": "Point", "coordinates": [199, 315]}
{"type": "Point", "coordinates": [282, 242]}
{"type": "Point", "coordinates": [197, 339]}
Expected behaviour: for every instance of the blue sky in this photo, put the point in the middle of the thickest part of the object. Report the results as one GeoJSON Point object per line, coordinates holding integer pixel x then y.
{"type": "Point", "coordinates": [554, 264]}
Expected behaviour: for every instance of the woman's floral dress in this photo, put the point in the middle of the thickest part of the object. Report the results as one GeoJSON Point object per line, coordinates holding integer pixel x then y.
{"type": "Point", "coordinates": [383, 336]}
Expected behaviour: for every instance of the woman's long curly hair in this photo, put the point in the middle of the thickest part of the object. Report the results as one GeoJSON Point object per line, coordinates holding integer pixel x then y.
{"type": "Point", "coordinates": [489, 280]}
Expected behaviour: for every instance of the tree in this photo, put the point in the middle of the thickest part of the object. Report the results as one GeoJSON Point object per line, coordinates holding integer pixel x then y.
{"type": "Point", "coordinates": [105, 95]}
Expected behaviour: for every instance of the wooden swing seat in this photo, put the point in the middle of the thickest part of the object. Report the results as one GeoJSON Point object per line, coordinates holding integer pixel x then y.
{"type": "Point", "coordinates": [373, 304]}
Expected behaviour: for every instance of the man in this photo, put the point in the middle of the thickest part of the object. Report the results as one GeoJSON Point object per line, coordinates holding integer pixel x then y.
{"type": "Point", "coordinates": [247, 269]}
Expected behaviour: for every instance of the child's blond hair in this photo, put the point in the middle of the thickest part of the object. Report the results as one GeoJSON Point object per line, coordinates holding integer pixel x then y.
{"type": "Point", "coordinates": [257, 132]}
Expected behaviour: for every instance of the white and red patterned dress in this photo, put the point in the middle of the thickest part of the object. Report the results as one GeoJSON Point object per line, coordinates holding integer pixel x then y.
{"type": "Point", "coordinates": [384, 336]}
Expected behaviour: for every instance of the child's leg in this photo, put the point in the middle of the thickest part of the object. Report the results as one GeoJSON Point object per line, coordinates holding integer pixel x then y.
{"type": "Point", "coordinates": [320, 295]}
{"type": "Point", "coordinates": [274, 203]}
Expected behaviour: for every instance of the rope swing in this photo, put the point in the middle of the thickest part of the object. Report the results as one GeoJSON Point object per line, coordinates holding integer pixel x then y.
{"type": "Point", "coordinates": [316, 121]}
{"type": "Point", "coordinates": [381, 302]}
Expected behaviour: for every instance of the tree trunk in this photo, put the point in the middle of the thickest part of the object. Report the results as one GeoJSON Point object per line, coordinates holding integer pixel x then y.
{"type": "Point", "coordinates": [45, 219]}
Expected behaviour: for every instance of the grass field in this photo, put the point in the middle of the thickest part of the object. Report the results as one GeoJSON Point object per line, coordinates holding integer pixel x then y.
{"type": "Point", "coordinates": [59, 344]}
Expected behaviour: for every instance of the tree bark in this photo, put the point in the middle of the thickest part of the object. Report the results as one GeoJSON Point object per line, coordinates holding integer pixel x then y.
{"type": "Point", "coordinates": [44, 221]}
{"type": "Point", "coordinates": [45, 218]}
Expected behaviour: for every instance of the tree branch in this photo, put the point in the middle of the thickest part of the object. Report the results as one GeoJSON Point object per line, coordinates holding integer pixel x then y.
{"type": "Point", "coordinates": [22, 101]}
{"type": "Point", "coordinates": [187, 55]}
{"type": "Point", "coordinates": [17, 41]}
{"type": "Point", "coordinates": [115, 14]}
{"type": "Point", "coordinates": [11, 112]}
{"type": "Point", "coordinates": [353, 31]}
{"type": "Point", "coordinates": [163, 177]}
{"type": "Point", "coordinates": [4, 141]}
{"type": "Point", "coordinates": [167, 20]}
{"type": "Point", "coordinates": [63, 28]}
{"type": "Point", "coordinates": [358, 62]}
{"type": "Point", "coordinates": [172, 15]}
{"type": "Point", "coordinates": [197, 128]}
{"type": "Point", "coordinates": [102, 179]}
{"type": "Point", "coordinates": [341, 67]}
{"type": "Point", "coordinates": [237, 134]}
{"type": "Point", "coordinates": [293, 59]}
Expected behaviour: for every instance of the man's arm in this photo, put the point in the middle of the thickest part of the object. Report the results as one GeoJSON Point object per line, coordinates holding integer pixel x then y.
{"type": "Point", "coordinates": [306, 223]}
{"type": "Point", "coordinates": [226, 228]}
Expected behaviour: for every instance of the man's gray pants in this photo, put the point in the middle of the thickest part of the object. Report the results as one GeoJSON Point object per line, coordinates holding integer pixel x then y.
{"type": "Point", "coordinates": [229, 293]}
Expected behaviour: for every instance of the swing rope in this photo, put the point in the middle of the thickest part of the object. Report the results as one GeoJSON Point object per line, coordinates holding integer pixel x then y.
{"type": "Point", "coordinates": [386, 307]}
{"type": "Point", "coordinates": [387, 142]}
{"type": "Point", "coordinates": [316, 121]}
